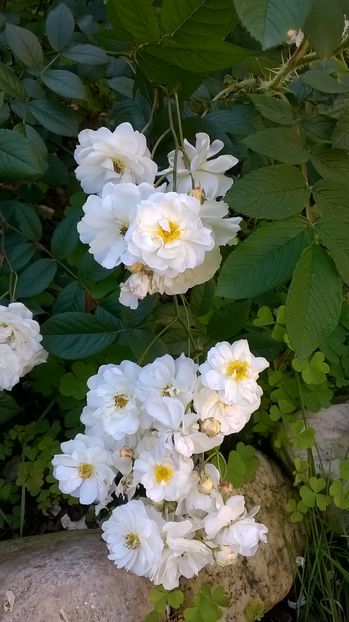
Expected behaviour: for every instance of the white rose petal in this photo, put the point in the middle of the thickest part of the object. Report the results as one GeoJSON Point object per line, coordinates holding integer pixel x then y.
{"type": "Point", "coordinates": [20, 347]}
{"type": "Point", "coordinates": [133, 537]}
{"type": "Point", "coordinates": [167, 234]}
{"type": "Point", "coordinates": [198, 166]}
{"type": "Point", "coordinates": [84, 469]}
{"type": "Point", "coordinates": [107, 218]}
{"type": "Point", "coordinates": [118, 157]}
{"type": "Point", "coordinates": [232, 370]}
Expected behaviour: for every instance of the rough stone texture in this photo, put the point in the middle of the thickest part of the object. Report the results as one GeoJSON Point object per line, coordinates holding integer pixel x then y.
{"type": "Point", "coordinates": [268, 576]}
{"type": "Point", "coordinates": [66, 577]}
{"type": "Point", "coordinates": [332, 438]}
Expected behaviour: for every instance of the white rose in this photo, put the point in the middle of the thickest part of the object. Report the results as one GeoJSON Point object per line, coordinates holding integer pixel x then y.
{"type": "Point", "coordinates": [119, 156]}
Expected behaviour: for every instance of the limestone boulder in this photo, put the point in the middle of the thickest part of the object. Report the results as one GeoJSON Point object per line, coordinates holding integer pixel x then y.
{"type": "Point", "coordinates": [67, 577]}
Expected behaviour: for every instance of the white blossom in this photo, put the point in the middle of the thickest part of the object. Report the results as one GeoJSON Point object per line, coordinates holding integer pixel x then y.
{"type": "Point", "coordinates": [214, 215]}
{"type": "Point", "coordinates": [135, 288]}
{"type": "Point", "coordinates": [111, 400]}
{"type": "Point", "coordinates": [119, 156]}
{"type": "Point", "coordinates": [107, 218]}
{"type": "Point", "coordinates": [196, 166]}
{"type": "Point", "coordinates": [167, 234]}
{"type": "Point", "coordinates": [166, 387]}
{"type": "Point", "coordinates": [20, 347]}
{"type": "Point", "coordinates": [191, 439]}
{"type": "Point", "coordinates": [84, 469]}
{"type": "Point", "coordinates": [232, 418]}
{"type": "Point", "coordinates": [233, 526]}
{"type": "Point", "coordinates": [164, 475]}
{"type": "Point", "coordinates": [191, 277]}
{"type": "Point", "coordinates": [182, 555]}
{"type": "Point", "coordinates": [232, 370]}
{"type": "Point", "coordinates": [133, 537]}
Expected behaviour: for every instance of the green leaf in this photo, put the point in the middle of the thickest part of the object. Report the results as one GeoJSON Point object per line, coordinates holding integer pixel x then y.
{"type": "Point", "coordinates": [28, 221]}
{"type": "Point", "coordinates": [272, 192]}
{"type": "Point", "coordinates": [242, 464]}
{"type": "Point", "coordinates": [334, 233]}
{"type": "Point", "coordinates": [321, 17]}
{"type": "Point", "coordinates": [175, 598]}
{"type": "Point", "coordinates": [36, 142]}
{"type": "Point", "coordinates": [228, 321]}
{"type": "Point", "coordinates": [330, 196]}
{"type": "Point", "coordinates": [325, 83]}
{"type": "Point", "coordinates": [8, 407]}
{"type": "Point", "coordinates": [77, 335]}
{"type": "Point", "coordinates": [274, 109]}
{"type": "Point", "coordinates": [192, 19]}
{"type": "Point", "coordinates": [71, 298]}
{"type": "Point", "coordinates": [64, 83]}
{"type": "Point", "coordinates": [11, 84]}
{"type": "Point", "coordinates": [18, 157]}
{"type": "Point", "coordinates": [340, 136]}
{"type": "Point", "coordinates": [344, 469]}
{"type": "Point", "coordinates": [158, 71]}
{"type": "Point", "coordinates": [314, 301]}
{"type": "Point", "coordinates": [25, 46]}
{"type": "Point", "coordinates": [65, 237]}
{"type": "Point", "coordinates": [269, 20]}
{"type": "Point", "coordinates": [264, 260]}
{"type": "Point", "coordinates": [201, 297]}
{"type": "Point", "coordinates": [282, 144]}
{"type": "Point", "coordinates": [60, 26]}
{"type": "Point", "coordinates": [331, 163]}
{"type": "Point", "coordinates": [56, 118]}
{"type": "Point", "coordinates": [254, 611]}
{"type": "Point", "coordinates": [198, 57]}
{"type": "Point", "coordinates": [138, 18]}
{"type": "Point", "coordinates": [86, 54]}
{"type": "Point", "coordinates": [35, 278]}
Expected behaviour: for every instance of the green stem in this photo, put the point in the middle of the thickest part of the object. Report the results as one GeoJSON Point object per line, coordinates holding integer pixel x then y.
{"type": "Point", "coordinates": [162, 332]}
{"type": "Point", "coordinates": [159, 140]}
{"type": "Point", "coordinates": [175, 140]}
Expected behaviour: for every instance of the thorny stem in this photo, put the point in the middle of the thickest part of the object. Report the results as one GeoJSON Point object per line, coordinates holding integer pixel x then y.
{"type": "Point", "coordinates": [290, 66]}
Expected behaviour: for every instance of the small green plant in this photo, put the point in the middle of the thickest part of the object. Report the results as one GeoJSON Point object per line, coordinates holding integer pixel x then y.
{"type": "Point", "coordinates": [207, 605]}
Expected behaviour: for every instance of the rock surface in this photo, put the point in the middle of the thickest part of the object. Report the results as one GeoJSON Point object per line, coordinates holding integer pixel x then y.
{"type": "Point", "coordinates": [332, 438]}
{"type": "Point", "coordinates": [67, 577]}
{"type": "Point", "coordinates": [268, 576]}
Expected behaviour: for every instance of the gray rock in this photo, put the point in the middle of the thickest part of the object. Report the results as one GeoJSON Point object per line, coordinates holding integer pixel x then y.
{"type": "Point", "coordinates": [332, 438]}
{"type": "Point", "coordinates": [67, 577]}
{"type": "Point", "coordinates": [268, 576]}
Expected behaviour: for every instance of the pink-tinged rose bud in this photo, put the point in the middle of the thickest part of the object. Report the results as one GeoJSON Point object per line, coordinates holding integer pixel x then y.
{"type": "Point", "coordinates": [226, 489]}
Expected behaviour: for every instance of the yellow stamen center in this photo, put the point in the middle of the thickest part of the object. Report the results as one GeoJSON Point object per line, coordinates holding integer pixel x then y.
{"type": "Point", "coordinates": [163, 474]}
{"type": "Point", "coordinates": [118, 165]}
{"type": "Point", "coordinates": [132, 541]}
{"type": "Point", "coordinates": [120, 400]}
{"type": "Point", "coordinates": [169, 235]}
{"type": "Point", "coordinates": [238, 369]}
{"type": "Point", "coordinates": [86, 470]}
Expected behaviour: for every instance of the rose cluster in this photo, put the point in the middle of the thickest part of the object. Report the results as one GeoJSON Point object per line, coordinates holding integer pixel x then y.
{"type": "Point", "coordinates": [147, 431]}
{"type": "Point", "coordinates": [20, 348]}
{"type": "Point", "coordinates": [167, 236]}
